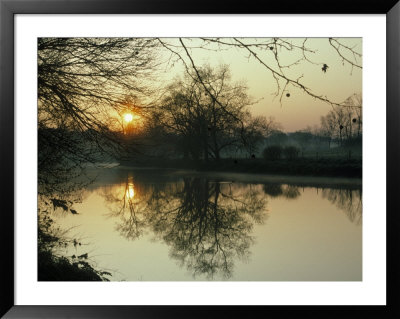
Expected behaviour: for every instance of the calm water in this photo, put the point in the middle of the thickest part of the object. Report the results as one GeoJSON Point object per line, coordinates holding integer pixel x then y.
{"type": "Point", "coordinates": [157, 225]}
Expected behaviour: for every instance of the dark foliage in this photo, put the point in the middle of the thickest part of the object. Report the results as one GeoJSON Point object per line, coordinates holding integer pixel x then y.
{"type": "Point", "coordinates": [291, 152]}
{"type": "Point", "coordinates": [52, 266]}
{"type": "Point", "coordinates": [273, 152]}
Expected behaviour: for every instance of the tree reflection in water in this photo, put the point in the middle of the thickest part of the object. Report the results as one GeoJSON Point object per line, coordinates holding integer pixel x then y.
{"type": "Point", "coordinates": [126, 202]}
{"type": "Point", "coordinates": [348, 200]}
{"type": "Point", "coordinates": [206, 223]}
{"type": "Point", "coordinates": [279, 190]}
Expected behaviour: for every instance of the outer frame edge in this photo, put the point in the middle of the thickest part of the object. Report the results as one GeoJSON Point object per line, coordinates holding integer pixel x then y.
{"type": "Point", "coordinates": [7, 11]}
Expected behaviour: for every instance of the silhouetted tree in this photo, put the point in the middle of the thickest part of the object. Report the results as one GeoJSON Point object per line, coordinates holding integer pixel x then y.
{"type": "Point", "coordinates": [344, 122]}
{"type": "Point", "coordinates": [256, 130]}
{"type": "Point", "coordinates": [291, 152]}
{"type": "Point", "coordinates": [83, 83]}
{"type": "Point", "coordinates": [206, 127]}
{"type": "Point", "coordinates": [273, 152]}
{"type": "Point", "coordinates": [268, 52]}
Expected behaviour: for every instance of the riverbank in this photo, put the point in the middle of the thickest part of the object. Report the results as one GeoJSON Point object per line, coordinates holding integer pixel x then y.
{"type": "Point", "coordinates": [56, 266]}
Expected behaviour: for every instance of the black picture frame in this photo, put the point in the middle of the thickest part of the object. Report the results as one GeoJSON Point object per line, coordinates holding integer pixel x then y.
{"type": "Point", "coordinates": [8, 8]}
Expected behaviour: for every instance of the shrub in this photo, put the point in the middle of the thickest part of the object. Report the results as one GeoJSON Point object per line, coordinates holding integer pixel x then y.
{"type": "Point", "coordinates": [273, 152]}
{"type": "Point", "coordinates": [52, 265]}
{"type": "Point", "coordinates": [291, 152]}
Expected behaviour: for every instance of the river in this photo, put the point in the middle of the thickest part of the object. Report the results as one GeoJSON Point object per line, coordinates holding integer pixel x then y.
{"type": "Point", "coordinates": [171, 225]}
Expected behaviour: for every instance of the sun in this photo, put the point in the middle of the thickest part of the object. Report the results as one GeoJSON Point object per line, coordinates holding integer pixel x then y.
{"type": "Point", "coordinates": [128, 117]}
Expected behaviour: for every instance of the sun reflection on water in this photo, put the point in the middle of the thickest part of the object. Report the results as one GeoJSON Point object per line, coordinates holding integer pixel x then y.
{"type": "Point", "coordinates": [130, 192]}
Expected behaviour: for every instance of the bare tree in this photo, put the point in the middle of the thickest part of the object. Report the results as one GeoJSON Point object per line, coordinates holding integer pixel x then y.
{"type": "Point", "coordinates": [82, 84]}
{"type": "Point", "coordinates": [354, 109]}
{"type": "Point", "coordinates": [342, 122]}
{"type": "Point", "coordinates": [206, 127]}
{"type": "Point", "coordinates": [257, 129]}
{"type": "Point", "coordinates": [268, 53]}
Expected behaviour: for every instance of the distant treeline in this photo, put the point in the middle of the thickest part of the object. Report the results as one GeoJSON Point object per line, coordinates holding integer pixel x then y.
{"type": "Point", "coordinates": [300, 166]}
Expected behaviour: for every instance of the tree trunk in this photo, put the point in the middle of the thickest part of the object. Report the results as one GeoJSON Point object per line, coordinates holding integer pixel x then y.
{"type": "Point", "coordinates": [205, 147]}
{"type": "Point", "coordinates": [205, 151]}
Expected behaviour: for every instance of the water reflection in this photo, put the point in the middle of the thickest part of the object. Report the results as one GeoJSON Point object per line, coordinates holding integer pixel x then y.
{"type": "Point", "coordinates": [279, 190]}
{"type": "Point", "coordinates": [130, 192]}
{"type": "Point", "coordinates": [207, 224]}
{"type": "Point", "coordinates": [127, 202]}
{"type": "Point", "coordinates": [61, 200]}
{"type": "Point", "coordinates": [348, 200]}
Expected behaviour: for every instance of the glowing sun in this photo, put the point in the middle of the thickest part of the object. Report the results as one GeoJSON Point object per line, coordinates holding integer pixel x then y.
{"type": "Point", "coordinates": [128, 117]}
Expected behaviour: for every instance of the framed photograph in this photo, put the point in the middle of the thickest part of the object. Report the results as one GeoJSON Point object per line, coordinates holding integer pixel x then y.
{"type": "Point", "coordinates": [175, 159]}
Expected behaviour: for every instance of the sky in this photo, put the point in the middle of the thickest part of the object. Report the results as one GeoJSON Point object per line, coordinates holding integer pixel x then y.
{"type": "Point", "coordinates": [299, 110]}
